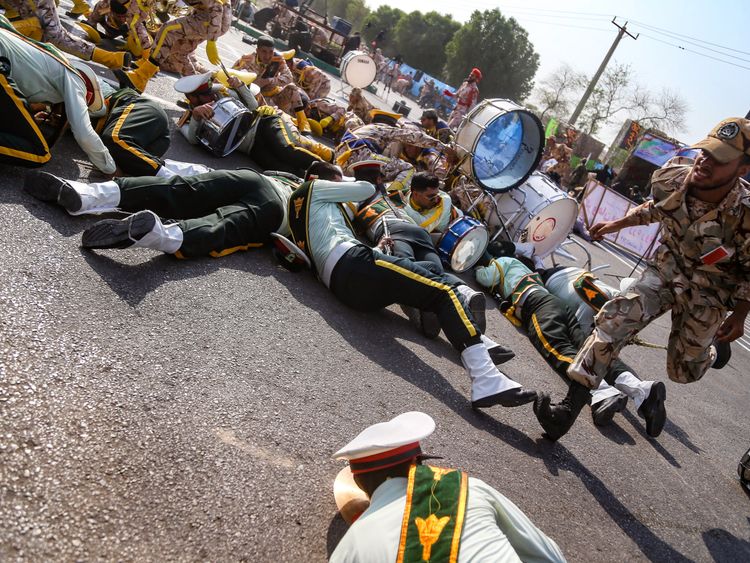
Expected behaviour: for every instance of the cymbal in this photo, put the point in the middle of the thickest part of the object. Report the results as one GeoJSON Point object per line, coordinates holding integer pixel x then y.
{"type": "Point", "coordinates": [350, 499]}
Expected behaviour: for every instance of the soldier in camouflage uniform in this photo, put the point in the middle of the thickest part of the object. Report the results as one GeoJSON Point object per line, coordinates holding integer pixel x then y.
{"type": "Point", "coordinates": [124, 18]}
{"type": "Point", "coordinates": [39, 20]}
{"type": "Point", "coordinates": [310, 78]}
{"type": "Point", "coordinates": [329, 116]}
{"type": "Point", "coordinates": [700, 272]}
{"type": "Point", "coordinates": [176, 40]}
{"type": "Point", "coordinates": [275, 80]}
{"type": "Point", "coordinates": [175, 43]}
{"type": "Point", "coordinates": [371, 141]}
{"type": "Point", "coordinates": [359, 105]}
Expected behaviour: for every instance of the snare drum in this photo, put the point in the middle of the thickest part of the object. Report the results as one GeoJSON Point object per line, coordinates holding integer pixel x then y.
{"type": "Point", "coordinates": [228, 127]}
{"type": "Point", "coordinates": [538, 212]}
{"type": "Point", "coordinates": [463, 243]}
{"type": "Point", "coordinates": [358, 69]}
{"type": "Point", "coordinates": [499, 144]}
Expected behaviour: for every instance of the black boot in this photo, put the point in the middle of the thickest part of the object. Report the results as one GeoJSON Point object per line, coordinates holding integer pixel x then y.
{"type": "Point", "coordinates": [557, 419]}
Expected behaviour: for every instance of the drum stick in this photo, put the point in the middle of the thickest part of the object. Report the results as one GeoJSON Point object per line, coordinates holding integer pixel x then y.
{"type": "Point", "coordinates": [226, 73]}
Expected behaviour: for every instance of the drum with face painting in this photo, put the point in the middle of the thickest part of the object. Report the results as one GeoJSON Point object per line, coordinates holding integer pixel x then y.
{"type": "Point", "coordinates": [499, 143]}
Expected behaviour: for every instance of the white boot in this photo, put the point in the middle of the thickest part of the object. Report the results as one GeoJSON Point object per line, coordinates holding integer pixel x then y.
{"type": "Point", "coordinates": [141, 230]}
{"type": "Point", "coordinates": [178, 168]}
{"type": "Point", "coordinates": [604, 391]}
{"type": "Point", "coordinates": [486, 379]}
{"type": "Point", "coordinates": [167, 238]}
{"type": "Point", "coordinates": [633, 387]}
{"type": "Point", "coordinates": [101, 197]}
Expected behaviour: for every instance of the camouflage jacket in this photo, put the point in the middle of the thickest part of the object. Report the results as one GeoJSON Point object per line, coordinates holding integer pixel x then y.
{"type": "Point", "coordinates": [272, 77]}
{"type": "Point", "coordinates": [378, 137]}
{"type": "Point", "coordinates": [711, 255]}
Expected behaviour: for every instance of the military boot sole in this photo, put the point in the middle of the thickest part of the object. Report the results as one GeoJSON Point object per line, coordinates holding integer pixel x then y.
{"type": "Point", "coordinates": [118, 233]}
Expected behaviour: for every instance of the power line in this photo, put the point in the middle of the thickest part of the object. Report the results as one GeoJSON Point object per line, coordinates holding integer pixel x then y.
{"type": "Point", "coordinates": [597, 15]}
{"type": "Point", "coordinates": [694, 52]}
{"type": "Point", "coordinates": [526, 19]}
{"type": "Point", "coordinates": [681, 36]}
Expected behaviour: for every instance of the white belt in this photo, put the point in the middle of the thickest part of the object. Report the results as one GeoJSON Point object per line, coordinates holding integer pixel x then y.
{"type": "Point", "coordinates": [333, 258]}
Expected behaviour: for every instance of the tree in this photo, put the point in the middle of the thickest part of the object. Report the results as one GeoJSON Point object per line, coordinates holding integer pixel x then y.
{"type": "Point", "coordinates": [618, 92]}
{"type": "Point", "coordinates": [421, 40]}
{"type": "Point", "coordinates": [665, 110]}
{"type": "Point", "coordinates": [557, 91]}
{"type": "Point", "coordinates": [384, 18]}
{"type": "Point", "coordinates": [353, 11]}
{"type": "Point", "coordinates": [500, 48]}
{"type": "Point", "coordinates": [610, 96]}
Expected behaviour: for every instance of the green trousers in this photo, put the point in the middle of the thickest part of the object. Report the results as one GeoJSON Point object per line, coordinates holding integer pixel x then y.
{"type": "Point", "coordinates": [219, 212]}
{"type": "Point", "coordinates": [136, 133]}
{"type": "Point", "coordinates": [554, 331]}
{"type": "Point", "coordinates": [278, 146]}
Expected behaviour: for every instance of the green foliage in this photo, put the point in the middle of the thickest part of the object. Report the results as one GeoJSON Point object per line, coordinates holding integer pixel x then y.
{"type": "Point", "coordinates": [500, 48]}
{"type": "Point", "coordinates": [385, 18]}
{"type": "Point", "coordinates": [421, 39]}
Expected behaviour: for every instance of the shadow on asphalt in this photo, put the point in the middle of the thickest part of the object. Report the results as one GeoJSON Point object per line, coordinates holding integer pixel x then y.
{"type": "Point", "coordinates": [336, 530]}
{"type": "Point", "coordinates": [725, 547]}
{"type": "Point", "coordinates": [404, 363]}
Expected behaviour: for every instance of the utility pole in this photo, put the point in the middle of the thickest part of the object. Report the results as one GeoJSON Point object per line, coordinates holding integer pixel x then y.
{"type": "Point", "coordinates": [579, 108]}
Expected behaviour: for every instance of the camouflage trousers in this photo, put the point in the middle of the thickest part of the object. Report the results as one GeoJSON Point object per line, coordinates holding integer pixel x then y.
{"type": "Point", "coordinates": [395, 170]}
{"type": "Point", "coordinates": [288, 99]}
{"type": "Point", "coordinates": [176, 41]}
{"type": "Point", "coordinates": [317, 86]}
{"type": "Point", "coordinates": [53, 31]}
{"type": "Point", "coordinates": [696, 316]}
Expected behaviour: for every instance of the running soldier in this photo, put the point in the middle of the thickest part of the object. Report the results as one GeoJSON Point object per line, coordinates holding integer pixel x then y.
{"type": "Point", "coordinates": [700, 272]}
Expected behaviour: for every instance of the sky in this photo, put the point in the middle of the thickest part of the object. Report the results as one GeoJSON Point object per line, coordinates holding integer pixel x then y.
{"type": "Point", "coordinates": [579, 33]}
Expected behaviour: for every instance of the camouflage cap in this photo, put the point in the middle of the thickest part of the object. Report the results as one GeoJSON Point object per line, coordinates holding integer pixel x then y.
{"type": "Point", "coordinates": [729, 140]}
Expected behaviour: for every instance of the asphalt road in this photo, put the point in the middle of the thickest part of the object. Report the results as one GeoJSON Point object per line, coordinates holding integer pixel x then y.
{"type": "Point", "coordinates": [153, 409]}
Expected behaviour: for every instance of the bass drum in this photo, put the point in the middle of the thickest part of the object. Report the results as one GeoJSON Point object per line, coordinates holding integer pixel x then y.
{"type": "Point", "coordinates": [537, 212]}
{"type": "Point", "coordinates": [228, 127]}
{"type": "Point", "coordinates": [358, 69]}
{"type": "Point", "coordinates": [499, 143]}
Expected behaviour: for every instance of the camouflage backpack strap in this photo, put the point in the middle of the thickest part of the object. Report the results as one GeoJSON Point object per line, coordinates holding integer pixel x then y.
{"type": "Point", "coordinates": [434, 515]}
{"type": "Point", "coordinates": [588, 291]}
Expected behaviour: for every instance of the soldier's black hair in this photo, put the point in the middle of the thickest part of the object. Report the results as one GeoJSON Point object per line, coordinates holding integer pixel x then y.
{"type": "Point", "coordinates": [423, 180]}
{"type": "Point", "coordinates": [323, 170]}
{"type": "Point", "coordinates": [265, 41]}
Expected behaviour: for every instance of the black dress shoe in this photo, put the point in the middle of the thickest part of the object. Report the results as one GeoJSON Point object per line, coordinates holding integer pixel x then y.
{"type": "Point", "coordinates": [723, 354]}
{"type": "Point", "coordinates": [119, 233]}
{"type": "Point", "coordinates": [500, 354]}
{"type": "Point", "coordinates": [510, 398]}
{"type": "Point", "coordinates": [557, 419]}
{"type": "Point", "coordinates": [653, 411]}
{"type": "Point", "coordinates": [603, 411]}
{"type": "Point", "coordinates": [48, 187]}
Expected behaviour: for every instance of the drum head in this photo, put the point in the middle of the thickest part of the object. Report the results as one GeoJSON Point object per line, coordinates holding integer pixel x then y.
{"type": "Point", "coordinates": [469, 249]}
{"type": "Point", "coordinates": [550, 225]}
{"type": "Point", "coordinates": [508, 150]}
{"type": "Point", "coordinates": [358, 69]}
